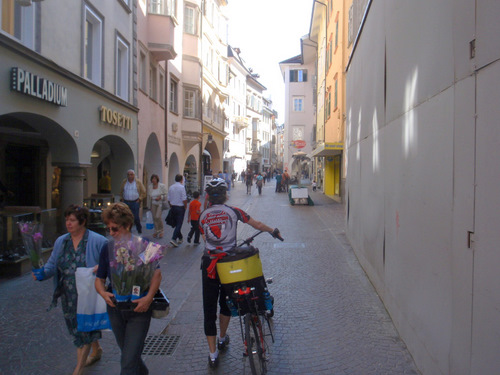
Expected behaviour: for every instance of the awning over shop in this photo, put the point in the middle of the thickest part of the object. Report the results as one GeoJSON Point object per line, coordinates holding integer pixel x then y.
{"type": "Point", "coordinates": [299, 154]}
{"type": "Point", "coordinates": [328, 149]}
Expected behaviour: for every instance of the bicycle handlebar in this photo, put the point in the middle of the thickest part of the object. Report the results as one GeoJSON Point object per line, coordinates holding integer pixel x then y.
{"type": "Point", "coordinates": [275, 233]}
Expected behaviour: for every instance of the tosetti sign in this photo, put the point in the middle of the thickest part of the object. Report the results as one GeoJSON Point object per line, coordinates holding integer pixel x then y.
{"type": "Point", "coordinates": [115, 118]}
{"type": "Point", "coordinates": [30, 84]}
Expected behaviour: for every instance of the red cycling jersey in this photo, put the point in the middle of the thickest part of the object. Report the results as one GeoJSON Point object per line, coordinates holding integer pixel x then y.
{"type": "Point", "coordinates": [219, 223]}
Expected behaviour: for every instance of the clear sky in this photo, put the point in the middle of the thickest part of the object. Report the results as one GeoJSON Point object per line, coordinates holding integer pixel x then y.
{"type": "Point", "coordinates": [268, 32]}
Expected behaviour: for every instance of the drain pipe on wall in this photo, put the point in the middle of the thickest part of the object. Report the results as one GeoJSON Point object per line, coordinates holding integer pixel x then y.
{"type": "Point", "coordinates": [200, 106]}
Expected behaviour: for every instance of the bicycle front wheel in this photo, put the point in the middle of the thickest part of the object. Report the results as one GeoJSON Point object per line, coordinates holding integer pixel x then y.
{"type": "Point", "coordinates": [254, 342]}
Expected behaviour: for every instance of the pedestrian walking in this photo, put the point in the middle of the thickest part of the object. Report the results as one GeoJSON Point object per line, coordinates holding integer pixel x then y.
{"type": "Point", "coordinates": [193, 215]}
{"type": "Point", "coordinates": [80, 247]}
{"type": "Point", "coordinates": [132, 192]}
{"type": "Point", "coordinates": [233, 177]}
{"type": "Point", "coordinates": [219, 227]}
{"type": "Point", "coordinates": [177, 199]}
{"type": "Point", "coordinates": [278, 182]}
{"type": "Point", "coordinates": [285, 180]}
{"type": "Point", "coordinates": [249, 181]}
{"type": "Point", "coordinates": [259, 182]}
{"type": "Point", "coordinates": [129, 321]}
{"type": "Point", "coordinates": [227, 178]}
{"type": "Point", "coordinates": [157, 193]}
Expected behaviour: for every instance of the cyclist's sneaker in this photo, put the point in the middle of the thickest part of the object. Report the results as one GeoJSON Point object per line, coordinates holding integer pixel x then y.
{"type": "Point", "coordinates": [221, 345]}
{"type": "Point", "coordinates": [213, 363]}
{"type": "Point", "coordinates": [179, 241]}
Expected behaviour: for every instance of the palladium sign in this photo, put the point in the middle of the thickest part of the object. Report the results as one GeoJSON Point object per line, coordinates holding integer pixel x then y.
{"type": "Point", "coordinates": [30, 84]}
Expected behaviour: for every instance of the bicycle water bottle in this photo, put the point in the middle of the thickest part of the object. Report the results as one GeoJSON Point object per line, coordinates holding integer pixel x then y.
{"type": "Point", "coordinates": [267, 300]}
{"type": "Point", "coordinates": [232, 307]}
{"type": "Point", "coordinates": [149, 220]}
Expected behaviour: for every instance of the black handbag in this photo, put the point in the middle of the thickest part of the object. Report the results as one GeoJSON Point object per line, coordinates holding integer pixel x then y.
{"type": "Point", "coordinates": [160, 305]}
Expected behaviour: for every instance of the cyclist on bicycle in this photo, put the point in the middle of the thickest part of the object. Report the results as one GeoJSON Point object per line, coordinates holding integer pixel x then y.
{"type": "Point", "coordinates": [218, 228]}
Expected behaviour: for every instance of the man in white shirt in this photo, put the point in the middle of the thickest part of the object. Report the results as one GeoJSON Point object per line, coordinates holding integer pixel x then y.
{"type": "Point", "coordinates": [177, 199]}
{"type": "Point", "coordinates": [132, 192]}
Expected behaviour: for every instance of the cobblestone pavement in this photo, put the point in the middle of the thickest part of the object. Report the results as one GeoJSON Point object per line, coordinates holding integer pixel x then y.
{"type": "Point", "coordinates": [328, 318]}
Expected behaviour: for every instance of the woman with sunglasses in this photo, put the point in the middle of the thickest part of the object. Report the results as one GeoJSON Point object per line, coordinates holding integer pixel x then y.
{"type": "Point", "coordinates": [130, 324]}
{"type": "Point", "coordinates": [80, 247]}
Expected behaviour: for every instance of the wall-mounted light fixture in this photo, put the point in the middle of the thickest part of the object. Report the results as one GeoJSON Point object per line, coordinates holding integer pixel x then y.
{"type": "Point", "coordinates": [210, 137]}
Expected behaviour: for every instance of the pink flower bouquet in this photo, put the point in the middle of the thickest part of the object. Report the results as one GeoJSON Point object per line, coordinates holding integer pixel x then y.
{"type": "Point", "coordinates": [31, 234]}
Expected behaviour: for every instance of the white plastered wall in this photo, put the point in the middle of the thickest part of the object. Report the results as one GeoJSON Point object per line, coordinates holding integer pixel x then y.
{"type": "Point", "coordinates": [423, 172]}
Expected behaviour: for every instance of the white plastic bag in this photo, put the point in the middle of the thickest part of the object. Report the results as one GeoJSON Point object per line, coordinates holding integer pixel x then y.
{"type": "Point", "coordinates": [149, 220]}
{"type": "Point", "coordinates": [91, 312]}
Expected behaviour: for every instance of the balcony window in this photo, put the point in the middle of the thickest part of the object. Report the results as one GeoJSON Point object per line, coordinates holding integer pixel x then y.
{"type": "Point", "coordinates": [190, 20]}
{"type": "Point", "coordinates": [163, 7]}
{"type": "Point", "coordinates": [190, 103]}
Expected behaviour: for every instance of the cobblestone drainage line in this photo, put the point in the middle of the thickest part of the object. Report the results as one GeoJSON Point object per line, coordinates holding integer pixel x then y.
{"type": "Point", "coordinates": [160, 344]}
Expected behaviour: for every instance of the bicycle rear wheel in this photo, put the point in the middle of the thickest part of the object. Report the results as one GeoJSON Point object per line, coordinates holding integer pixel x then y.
{"type": "Point", "coordinates": [254, 342]}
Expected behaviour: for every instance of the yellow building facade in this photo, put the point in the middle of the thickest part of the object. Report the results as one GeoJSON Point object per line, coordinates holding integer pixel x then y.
{"type": "Point", "coordinates": [330, 30]}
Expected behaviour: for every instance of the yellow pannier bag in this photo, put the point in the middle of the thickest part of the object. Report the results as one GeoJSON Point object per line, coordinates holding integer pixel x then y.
{"type": "Point", "coordinates": [241, 265]}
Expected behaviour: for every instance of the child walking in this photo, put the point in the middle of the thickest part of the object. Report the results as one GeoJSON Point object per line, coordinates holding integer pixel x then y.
{"type": "Point", "coordinates": [194, 211]}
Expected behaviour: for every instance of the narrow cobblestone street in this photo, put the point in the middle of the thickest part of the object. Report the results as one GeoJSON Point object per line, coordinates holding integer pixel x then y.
{"type": "Point", "coordinates": [328, 318]}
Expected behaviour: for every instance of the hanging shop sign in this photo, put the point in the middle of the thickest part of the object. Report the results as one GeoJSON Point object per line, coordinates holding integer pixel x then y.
{"type": "Point", "coordinates": [30, 84]}
{"type": "Point", "coordinates": [298, 143]}
{"type": "Point", "coordinates": [334, 146]}
{"type": "Point", "coordinates": [115, 118]}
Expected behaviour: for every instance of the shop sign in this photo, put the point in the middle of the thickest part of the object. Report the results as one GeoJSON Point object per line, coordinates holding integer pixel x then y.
{"type": "Point", "coordinates": [334, 146]}
{"type": "Point", "coordinates": [299, 143]}
{"type": "Point", "coordinates": [115, 118]}
{"type": "Point", "coordinates": [30, 84]}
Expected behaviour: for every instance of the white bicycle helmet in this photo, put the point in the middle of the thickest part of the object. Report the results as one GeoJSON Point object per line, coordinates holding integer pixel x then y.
{"type": "Point", "coordinates": [217, 185]}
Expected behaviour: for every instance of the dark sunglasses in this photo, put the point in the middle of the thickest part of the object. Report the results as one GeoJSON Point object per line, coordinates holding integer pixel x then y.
{"type": "Point", "coordinates": [114, 229]}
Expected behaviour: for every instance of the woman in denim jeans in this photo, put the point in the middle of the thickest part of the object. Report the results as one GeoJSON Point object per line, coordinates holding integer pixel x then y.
{"type": "Point", "coordinates": [130, 326]}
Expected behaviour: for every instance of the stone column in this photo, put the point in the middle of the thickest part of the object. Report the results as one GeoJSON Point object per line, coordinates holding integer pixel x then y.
{"type": "Point", "coordinates": [71, 185]}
